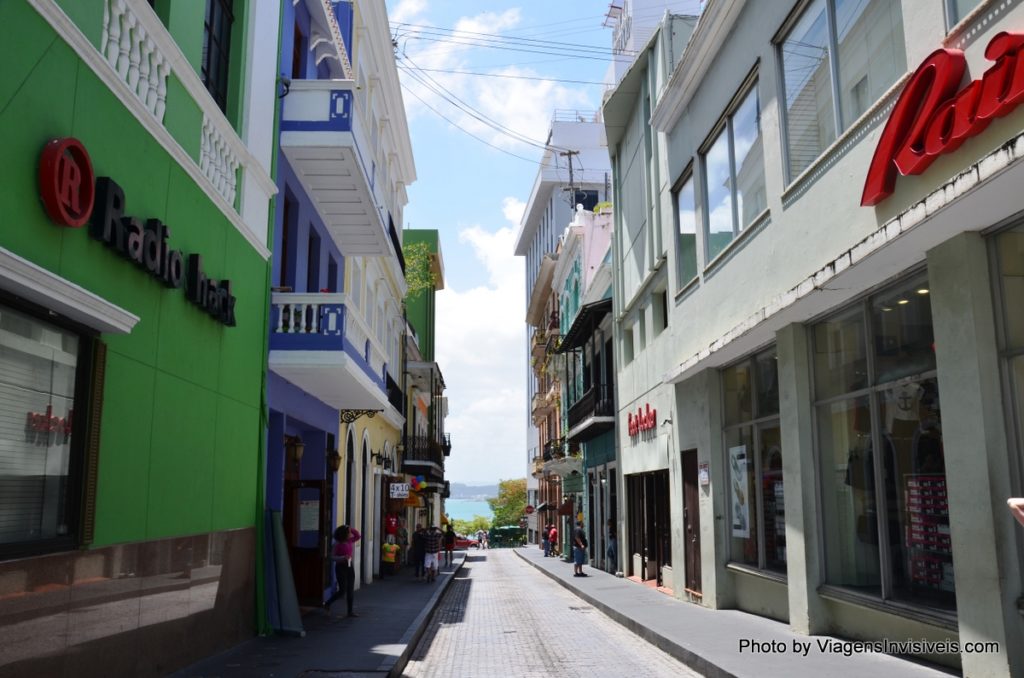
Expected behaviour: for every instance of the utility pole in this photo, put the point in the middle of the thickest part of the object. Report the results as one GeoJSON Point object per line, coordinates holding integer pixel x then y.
{"type": "Point", "coordinates": [572, 184]}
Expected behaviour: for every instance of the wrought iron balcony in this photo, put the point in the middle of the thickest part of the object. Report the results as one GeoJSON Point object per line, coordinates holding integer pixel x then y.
{"type": "Point", "coordinates": [592, 414]}
{"type": "Point", "coordinates": [538, 345]}
{"type": "Point", "coordinates": [541, 406]}
{"type": "Point", "coordinates": [554, 449]}
{"type": "Point", "coordinates": [537, 467]}
{"type": "Point", "coordinates": [423, 456]}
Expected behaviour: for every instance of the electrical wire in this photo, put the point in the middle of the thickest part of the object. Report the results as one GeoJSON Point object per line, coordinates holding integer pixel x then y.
{"type": "Point", "coordinates": [465, 131]}
{"type": "Point", "coordinates": [454, 100]}
{"type": "Point", "coordinates": [504, 39]}
{"type": "Point", "coordinates": [506, 75]}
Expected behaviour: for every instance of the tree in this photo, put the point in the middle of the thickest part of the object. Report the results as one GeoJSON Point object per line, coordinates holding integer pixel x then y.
{"type": "Point", "coordinates": [510, 504]}
{"type": "Point", "coordinates": [418, 275]}
{"type": "Point", "coordinates": [471, 527]}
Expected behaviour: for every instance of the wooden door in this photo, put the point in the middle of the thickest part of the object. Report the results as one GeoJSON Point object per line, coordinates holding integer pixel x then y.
{"type": "Point", "coordinates": [691, 522]}
{"type": "Point", "coordinates": [307, 527]}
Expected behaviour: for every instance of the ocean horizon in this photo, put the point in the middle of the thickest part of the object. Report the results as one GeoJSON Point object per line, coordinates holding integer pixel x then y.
{"type": "Point", "coordinates": [466, 509]}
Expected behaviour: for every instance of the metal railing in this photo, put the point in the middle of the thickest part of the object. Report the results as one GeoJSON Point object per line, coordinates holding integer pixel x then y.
{"type": "Point", "coordinates": [595, 402]}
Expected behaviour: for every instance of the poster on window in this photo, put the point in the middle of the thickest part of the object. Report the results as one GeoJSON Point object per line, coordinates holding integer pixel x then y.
{"type": "Point", "coordinates": [739, 484]}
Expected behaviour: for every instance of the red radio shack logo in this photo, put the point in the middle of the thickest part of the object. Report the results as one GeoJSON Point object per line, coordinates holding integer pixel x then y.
{"type": "Point", "coordinates": [66, 182]}
{"type": "Point", "coordinates": [934, 115]}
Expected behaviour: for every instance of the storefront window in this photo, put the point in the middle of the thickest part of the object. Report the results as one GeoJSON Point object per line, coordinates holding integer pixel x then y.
{"type": "Point", "coordinates": [1009, 258]}
{"type": "Point", "coordinates": [753, 448]}
{"type": "Point", "coordinates": [885, 508]}
{"type": "Point", "coordinates": [38, 375]}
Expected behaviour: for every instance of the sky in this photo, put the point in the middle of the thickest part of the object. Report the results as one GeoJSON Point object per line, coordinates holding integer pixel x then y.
{"type": "Point", "coordinates": [473, 189]}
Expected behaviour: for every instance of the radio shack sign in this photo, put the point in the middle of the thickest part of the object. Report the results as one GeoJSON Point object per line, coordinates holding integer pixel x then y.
{"type": "Point", "coordinates": [932, 117]}
{"type": "Point", "coordinates": [73, 196]}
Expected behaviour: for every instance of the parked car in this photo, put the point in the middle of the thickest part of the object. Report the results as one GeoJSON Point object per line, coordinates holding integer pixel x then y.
{"type": "Point", "coordinates": [464, 542]}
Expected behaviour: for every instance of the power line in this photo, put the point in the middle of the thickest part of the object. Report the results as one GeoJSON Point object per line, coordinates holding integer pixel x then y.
{"type": "Point", "coordinates": [516, 49]}
{"type": "Point", "coordinates": [456, 126]}
{"type": "Point", "coordinates": [448, 95]}
{"type": "Point", "coordinates": [496, 37]}
{"type": "Point", "coordinates": [505, 75]}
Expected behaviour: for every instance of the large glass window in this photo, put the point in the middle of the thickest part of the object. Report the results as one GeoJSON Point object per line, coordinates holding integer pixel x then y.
{"type": "Point", "coordinates": [217, 49]}
{"type": "Point", "coordinates": [753, 447]}
{"type": "Point", "coordinates": [686, 225]}
{"type": "Point", "coordinates": [958, 9]}
{"type": "Point", "coordinates": [884, 502]}
{"type": "Point", "coordinates": [1009, 257]}
{"type": "Point", "coordinates": [734, 175]}
{"type": "Point", "coordinates": [845, 51]}
{"type": "Point", "coordinates": [38, 376]}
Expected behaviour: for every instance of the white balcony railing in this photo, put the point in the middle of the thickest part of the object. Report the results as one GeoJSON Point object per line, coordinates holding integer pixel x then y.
{"type": "Point", "coordinates": [329, 315]}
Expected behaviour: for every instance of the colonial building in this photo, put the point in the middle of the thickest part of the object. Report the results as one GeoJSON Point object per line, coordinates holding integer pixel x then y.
{"type": "Point", "coordinates": [338, 283]}
{"type": "Point", "coordinates": [133, 313]}
{"type": "Point", "coordinates": [583, 279]}
{"type": "Point", "coordinates": [574, 170]}
{"type": "Point", "coordinates": [835, 237]}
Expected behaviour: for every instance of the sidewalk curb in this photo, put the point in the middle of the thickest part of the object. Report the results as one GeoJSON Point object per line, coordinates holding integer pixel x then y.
{"type": "Point", "coordinates": [667, 645]}
{"type": "Point", "coordinates": [394, 666]}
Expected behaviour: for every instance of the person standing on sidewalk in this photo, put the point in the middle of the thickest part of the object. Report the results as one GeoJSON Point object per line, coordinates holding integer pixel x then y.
{"type": "Point", "coordinates": [389, 556]}
{"type": "Point", "coordinates": [579, 549]}
{"type": "Point", "coordinates": [432, 547]}
{"type": "Point", "coordinates": [544, 533]}
{"type": "Point", "coordinates": [553, 540]}
{"type": "Point", "coordinates": [613, 547]}
{"type": "Point", "coordinates": [449, 544]}
{"type": "Point", "coordinates": [345, 538]}
{"type": "Point", "coordinates": [418, 550]}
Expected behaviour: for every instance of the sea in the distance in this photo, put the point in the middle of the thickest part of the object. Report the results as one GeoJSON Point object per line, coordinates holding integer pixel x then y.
{"type": "Point", "coordinates": [465, 509]}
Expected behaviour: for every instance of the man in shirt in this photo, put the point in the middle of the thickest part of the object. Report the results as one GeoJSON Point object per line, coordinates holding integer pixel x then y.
{"type": "Point", "coordinates": [544, 539]}
{"type": "Point", "coordinates": [553, 540]}
{"type": "Point", "coordinates": [432, 548]}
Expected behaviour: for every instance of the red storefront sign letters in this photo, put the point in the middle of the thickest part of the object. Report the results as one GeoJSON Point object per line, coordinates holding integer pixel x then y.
{"type": "Point", "coordinates": [66, 182]}
{"type": "Point", "coordinates": [932, 118]}
{"type": "Point", "coordinates": [642, 420]}
{"type": "Point", "coordinates": [48, 422]}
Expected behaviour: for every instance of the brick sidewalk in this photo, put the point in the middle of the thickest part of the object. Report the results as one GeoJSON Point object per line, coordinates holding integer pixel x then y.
{"type": "Point", "coordinates": [708, 640]}
{"type": "Point", "coordinates": [393, 613]}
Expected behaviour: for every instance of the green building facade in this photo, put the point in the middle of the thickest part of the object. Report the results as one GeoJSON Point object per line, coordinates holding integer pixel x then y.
{"type": "Point", "coordinates": [133, 315]}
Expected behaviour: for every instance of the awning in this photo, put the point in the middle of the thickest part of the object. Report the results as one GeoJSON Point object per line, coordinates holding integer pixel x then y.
{"type": "Point", "coordinates": [585, 324]}
{"type": "Point", "coordinates": [544, 506]}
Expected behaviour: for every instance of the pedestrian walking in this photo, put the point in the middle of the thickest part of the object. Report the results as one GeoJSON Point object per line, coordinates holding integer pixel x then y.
{"type": "Point", "coordinates": [432, 548]}
{"type": "Point", "coordinates": [553, 539]}
{"type": "Point", "coordinates": [579, 549]}
{"type": "Point", "coordinates": [402, 539]}
{"type": "Point", "coordinates": [545, 541]}
{"type": "Point", "coordinates": [419, 550]}
{"type": "Point", "coordinates": [613, 548]}
{"type": "Point", "coordinates": [486, 541]}
{"type": "Point", "coordinates": [345, 538]}
{"type": "Point", "coordinates": [449, 543]}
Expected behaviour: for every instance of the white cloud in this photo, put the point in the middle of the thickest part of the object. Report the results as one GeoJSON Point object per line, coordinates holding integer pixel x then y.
{"type": "Point", "coordinates": [520, 106]}
{"type": "Point", "coordinates": [481, 350]}
{"type": "Point", "coordinates": [408, 9]}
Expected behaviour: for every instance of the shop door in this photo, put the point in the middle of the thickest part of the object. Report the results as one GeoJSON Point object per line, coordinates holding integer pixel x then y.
{"type": "Point", "coordinates": [661, 534]}
{"type": "Point", "coordinates": [691, 522]}
{"type": "Point", "coordinates": [307, 526]}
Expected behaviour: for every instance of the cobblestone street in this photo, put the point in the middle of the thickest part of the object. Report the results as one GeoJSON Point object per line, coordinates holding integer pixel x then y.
{"type": "Point", "coordinates": [500, 617]}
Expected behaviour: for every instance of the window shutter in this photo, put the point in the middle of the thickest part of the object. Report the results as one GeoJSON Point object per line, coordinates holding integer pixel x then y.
{"type": "Point", "coordinates": [92, 443]}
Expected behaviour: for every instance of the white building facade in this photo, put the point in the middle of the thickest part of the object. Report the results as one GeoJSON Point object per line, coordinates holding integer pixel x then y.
{"type": "Point", "coordinates": [818, 290]}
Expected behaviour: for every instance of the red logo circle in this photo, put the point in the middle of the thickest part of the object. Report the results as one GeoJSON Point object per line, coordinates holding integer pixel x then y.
{"type": "Point", "coordinates": [66, 182]}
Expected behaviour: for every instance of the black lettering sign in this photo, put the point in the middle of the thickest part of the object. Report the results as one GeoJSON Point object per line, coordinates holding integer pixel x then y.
{"type": "Point", "coordinates": [146, 246]}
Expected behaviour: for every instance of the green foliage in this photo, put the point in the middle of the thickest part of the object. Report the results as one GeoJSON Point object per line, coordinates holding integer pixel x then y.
{"type": "Point", "coordinates": [602, 207]}
{"type": "Point", "coordinates": [418, 275]}
{"type": "Point", "coordinates": [510, 504]}
{"type": "Point", "coordinates": [470, 527]}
